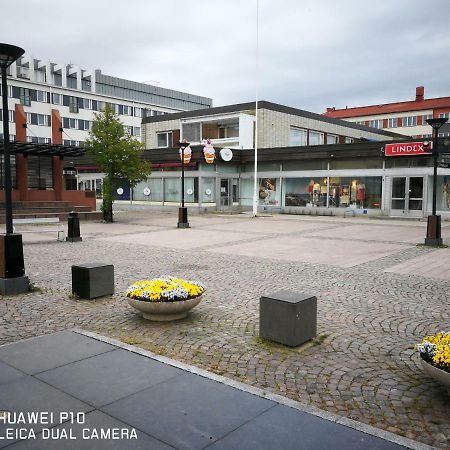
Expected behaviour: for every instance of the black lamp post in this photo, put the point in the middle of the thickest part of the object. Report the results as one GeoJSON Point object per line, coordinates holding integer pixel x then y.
{"type": "Point", "coordinates": [182, 212]}
{"type": "Point", "coordinates": [434, 236]}
{"type": "Point", "coordinates": [12, 269]}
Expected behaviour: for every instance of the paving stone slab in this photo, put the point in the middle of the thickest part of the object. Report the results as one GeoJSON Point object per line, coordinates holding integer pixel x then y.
{"type": "Point", "coordinates": [189, 411]}
{"type": "Point", "coordinates": [107, 377]}
{"type": "Point", "coordinates": [285, 428]}
{"type": "Point", "coordinates": [47, 352]}
{"type": "Point", "coordinates": [8, 373]}
{"type": "Point", "coordinates": [94, 420]}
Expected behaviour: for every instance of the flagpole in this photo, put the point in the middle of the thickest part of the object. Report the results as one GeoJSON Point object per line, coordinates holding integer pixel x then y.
{"type": "Point", "coordinates": [255, 186]}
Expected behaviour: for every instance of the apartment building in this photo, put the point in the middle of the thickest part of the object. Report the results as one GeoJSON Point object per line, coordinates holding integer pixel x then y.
{"type": "Point", "coordinates": [76, 93]}
{"type": "Point", "coordinates": [56, 103]}
{"type": "Point", "coordinates": [407, 117]}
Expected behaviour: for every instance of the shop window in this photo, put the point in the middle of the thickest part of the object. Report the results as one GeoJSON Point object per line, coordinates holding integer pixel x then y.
{"type": "Point", "coordinates": [298, 137]}
{"type": "Point", "coordinates": [267, 192]}
{"type": "Point", "coordinates": [403, 161]}
{"type": "Point", "coordinates": [40, 172]}
{"type": "Point", "coordinates": [336, 192]}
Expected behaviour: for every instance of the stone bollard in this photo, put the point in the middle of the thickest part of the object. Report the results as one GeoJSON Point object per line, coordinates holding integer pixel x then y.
{"type": "Point", "coordinates": [289, 318]}
{"type": "Point", "coordinates": [73, 228]}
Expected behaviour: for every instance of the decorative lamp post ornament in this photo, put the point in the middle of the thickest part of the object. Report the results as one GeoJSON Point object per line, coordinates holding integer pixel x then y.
{"type": "Point", "coordinates": [186, 154]}
{"type": "Point", "coordinates": [209, 152]}
{"type": "Point", "coordinates": [12, 268]}
{"type": "Point", "coordinates": [182, 211]}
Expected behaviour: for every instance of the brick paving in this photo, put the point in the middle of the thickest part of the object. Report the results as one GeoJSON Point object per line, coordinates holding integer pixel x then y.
{"type": "Point", "coordinates": [363, 365]}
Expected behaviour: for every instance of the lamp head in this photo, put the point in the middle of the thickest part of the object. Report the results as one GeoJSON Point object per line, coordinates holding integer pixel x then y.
{"type": "Point", "coordinates": [9, 53]}
{"type": "Point", "coordinates": [436, 123]}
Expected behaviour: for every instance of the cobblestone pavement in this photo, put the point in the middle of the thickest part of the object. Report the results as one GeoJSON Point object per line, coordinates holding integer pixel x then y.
{"type": "Point", "coordinates": [362, 365]}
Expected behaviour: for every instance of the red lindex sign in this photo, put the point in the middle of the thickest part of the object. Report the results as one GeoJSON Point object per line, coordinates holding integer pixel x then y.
{"type": "Point", "coordinates": [408, 149]}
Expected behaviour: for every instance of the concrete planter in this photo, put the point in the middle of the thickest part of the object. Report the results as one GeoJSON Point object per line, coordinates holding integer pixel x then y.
{"type": "Point", "coordinates": [164, 311]}
{"type": "Point", "coordinates": [441, 376]}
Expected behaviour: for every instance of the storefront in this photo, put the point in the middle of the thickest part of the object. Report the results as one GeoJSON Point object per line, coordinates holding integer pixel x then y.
{"type": "Point", "coordinates": [332, 179]}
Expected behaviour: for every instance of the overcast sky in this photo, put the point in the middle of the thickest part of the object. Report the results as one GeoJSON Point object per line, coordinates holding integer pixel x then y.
{"type": "Point", "coordinates": [312, 53]}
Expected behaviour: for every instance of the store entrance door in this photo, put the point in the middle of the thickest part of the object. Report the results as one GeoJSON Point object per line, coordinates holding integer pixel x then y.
{"type": "Point", "coordinates": [226, 200]}
{"type": "Point", "coordinates": [407, 196]}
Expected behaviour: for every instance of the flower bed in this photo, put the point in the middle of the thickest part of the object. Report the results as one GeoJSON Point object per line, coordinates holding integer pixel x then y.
{"type": "Point", "coordinates": [165, 289]}
{"type": "Point", "coordinates": [435, 350]}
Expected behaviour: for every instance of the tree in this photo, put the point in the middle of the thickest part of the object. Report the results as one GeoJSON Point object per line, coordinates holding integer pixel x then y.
{"type": "Point", "coordinates": [115, 153]}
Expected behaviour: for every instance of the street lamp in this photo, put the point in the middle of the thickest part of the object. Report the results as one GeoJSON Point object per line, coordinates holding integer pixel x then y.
{"type": "Point", "coordinates": [434, 236]}
{"type": "Point", "coordinates": [12, 269]}
{"type": "Point", "coordinates": [182, 212]}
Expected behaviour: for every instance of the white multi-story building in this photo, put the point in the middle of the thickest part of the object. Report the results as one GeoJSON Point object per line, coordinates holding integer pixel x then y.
{"type": "Point", "coordinates": [43, 86]}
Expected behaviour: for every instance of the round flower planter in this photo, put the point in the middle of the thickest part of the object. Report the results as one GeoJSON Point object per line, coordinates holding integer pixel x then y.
{"type": "Point", "coordinates": [439, 375]}
{"type": "Point", "coordinates": [164, 311]}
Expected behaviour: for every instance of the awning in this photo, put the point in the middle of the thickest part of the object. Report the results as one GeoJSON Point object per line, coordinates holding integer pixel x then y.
{"type": "Point", "coordinates": [32, 148]}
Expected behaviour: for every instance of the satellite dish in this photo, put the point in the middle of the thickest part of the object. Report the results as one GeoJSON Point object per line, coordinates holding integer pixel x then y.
{"type": "Point", "coordinates": [226, 154]}
{"type": "Point", "coordinates": [120, 191]}
{"type": "Point", "coordinates": [147, 191]}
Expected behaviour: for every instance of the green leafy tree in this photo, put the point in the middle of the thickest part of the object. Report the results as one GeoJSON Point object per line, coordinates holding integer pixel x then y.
{"type": "Point", "coordinates": [116, 154]}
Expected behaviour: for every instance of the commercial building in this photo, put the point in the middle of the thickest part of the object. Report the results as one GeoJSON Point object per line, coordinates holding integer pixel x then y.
{"type": "Point", "coordinates": [307, 164]}
{"type": "Point", "coordinates": [407, 117]}
{"type": "Point", "coordinates": [53, 103]}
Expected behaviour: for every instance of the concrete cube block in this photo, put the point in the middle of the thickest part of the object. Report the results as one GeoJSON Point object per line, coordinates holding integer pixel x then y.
{"type": "Point", "coordinates": [288, 318]}
{"type": "Point", "coordinates": [93, 280]}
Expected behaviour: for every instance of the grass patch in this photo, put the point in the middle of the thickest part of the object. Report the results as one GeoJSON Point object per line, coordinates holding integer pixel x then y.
{"type": "Point", "coordinates": [33, 288]}
{"type": "Point", "coordinates": [432, 246]}
{"type": "Point", "coordinates": [319, 340]}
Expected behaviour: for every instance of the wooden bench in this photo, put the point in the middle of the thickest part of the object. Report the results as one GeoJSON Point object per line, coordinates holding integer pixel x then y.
{"type": "Point", "coordinates": [59, 228]}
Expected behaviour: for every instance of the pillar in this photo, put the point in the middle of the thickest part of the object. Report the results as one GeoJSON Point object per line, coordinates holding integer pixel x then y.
{"type": "Point", "coordinates": [21, 160]}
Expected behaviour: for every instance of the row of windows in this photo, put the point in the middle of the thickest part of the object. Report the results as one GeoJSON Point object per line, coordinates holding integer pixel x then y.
{"type": "Point", "coordinates": [302, 137]}
{"type": "Point", "coordinates": [407, 121]}
{"type": "Point", "coordinates": [39, 140]}
{"type": "Point", "coordinates": [86, 125]}
{"type": "Point", "coordinates": [38, 119]}
{"type": "Point", "coordinates": [26, 96]}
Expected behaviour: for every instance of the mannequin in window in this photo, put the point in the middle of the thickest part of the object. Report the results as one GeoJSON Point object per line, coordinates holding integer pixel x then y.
{"type": "Point", "coordinates": [361, 194]}
{"type": "Point", "coordinates": [446, 195]}
{"type": "Point", "coordinates": [310, 189]}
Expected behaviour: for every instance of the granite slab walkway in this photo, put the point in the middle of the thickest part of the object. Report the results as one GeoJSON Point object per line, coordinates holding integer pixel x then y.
{"type": "Point", "coordinates": [83, 386]}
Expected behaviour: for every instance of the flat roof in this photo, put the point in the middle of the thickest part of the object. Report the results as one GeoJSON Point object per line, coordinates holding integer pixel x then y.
{"type": "Point", "coordinates": [263, 104]}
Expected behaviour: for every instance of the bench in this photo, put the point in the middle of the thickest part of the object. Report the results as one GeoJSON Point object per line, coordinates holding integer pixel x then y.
{"type": "Point", "coordinates": [59, 228]}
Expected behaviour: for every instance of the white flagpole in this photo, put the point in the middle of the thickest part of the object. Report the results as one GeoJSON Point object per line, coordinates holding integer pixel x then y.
{"type": "Point", "coordinates": [255, 186]}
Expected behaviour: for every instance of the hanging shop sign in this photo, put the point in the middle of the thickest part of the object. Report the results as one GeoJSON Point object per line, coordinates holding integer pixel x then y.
{"type": "Point", "coordinates": [409, 149]}
{"type": "Point", "coordinates": [209, 152]}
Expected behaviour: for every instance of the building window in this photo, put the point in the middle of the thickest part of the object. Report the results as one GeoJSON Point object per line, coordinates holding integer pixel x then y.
{"type": "Point", "coordinates": [164, 139]}
{"type": "Point", "coordinates": [87, 103]}
{"type": "Point", "coordinates": [137, 112]}
{"type": "Point", "coordinates": [392, 123]}
{"type": "Point", "coordinates": [349, 140]}
{"type": "Point", "coordinates": [315, 138]}
{"type": "Point", "coordinates": [11, 115]}
{"type": "Point", "coordinates": [298, 137]}
{"type": "Point", "coordinates": [56, 99]}
{"type": "Point", "coordinates": [43, 119]}
{"type": "Point", "coordinates": [410, 121]}
{"type": "Point", "coordinates": [444, 115]}
{"type": "Point", "coordinates": [25, 98]}
{"type": "Point", "coordinates": [377, 123]}
{"type": "Point", "coordinates": [425, 118]}
{"type": "Point", "coordinates": [41, 96]}
{"type": "Point", "coordinates": [191, 131]}
{"type": "Point", "coordinates": [73, 104]}
{"type": "Point", "coordinates": [136, 131]}
{"type": "Point", "coordinates": [332, 139]}
{"type": "Point", "coordinates": [126, 110]}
